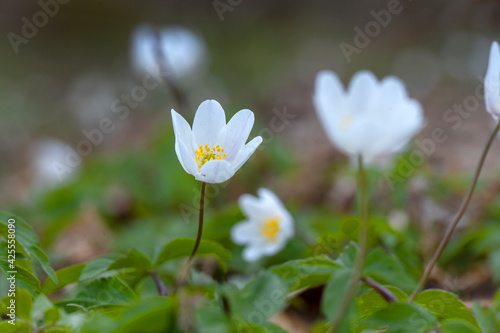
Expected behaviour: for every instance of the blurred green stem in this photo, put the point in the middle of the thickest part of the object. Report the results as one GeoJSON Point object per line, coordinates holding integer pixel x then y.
{"type": "Point", "coordinates": [360, 259]}
{"type": "Point", "coordinates": [458, 216]}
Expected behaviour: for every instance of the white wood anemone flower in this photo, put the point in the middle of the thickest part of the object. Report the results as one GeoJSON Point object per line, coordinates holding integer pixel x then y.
{"type": "Point", "coordinates": [371, 119]}
{"type": "Point", "coordinates": [213, 151]}
{"type": "Point", "coordinates": [267, 228]}
{"type": "Point", "coordinates": [492, 82]}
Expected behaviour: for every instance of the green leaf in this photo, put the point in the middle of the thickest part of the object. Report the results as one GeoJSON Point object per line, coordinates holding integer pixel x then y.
{"type": "Point", "coordinates": [306, 273]}
{"type": "Point", "coordinates": [24, 302]}
{"type": "Point", "coordinates": [24, 278]}
{"type": "Point", "coordinates": [335, 292]}
{"type": "Point", "coordinates": [386, 269]}
{"type": "Point", "coordinates": [157, 314]}
{"type": "Point", "coordinates": [457, 326]}
{"type": "Point", "coordinates": [26, 241]}
{"type": "Point", "coordinates": [65, 276]}
{"type": "Point", "coordinates": [132, 267]}
{"type": "Point", "coordinates": [445, 306]}
{"type": "Point", "coordinates": [182, 247]}
{"type": "Point", "coordinates": [105, 291]}
{"type": "Point", "coordinates": [98, 266]}
{"type": "Point", "coordinates": [348, 257]}
{"type": "Point", "coordinates": [258, 300]}
{"type": "Point", "coordinates": [41, 305]}
{"type": "Point", "coordinates": [401, 318]}
{"type": "Point", "coordinates": [486, 319]}
{"type": "Point", "coordinates": [371, 301]}
{"type": "Point", "coordinates": [19, 327]}
{"type": "Point", "coordinates": [212, 318]}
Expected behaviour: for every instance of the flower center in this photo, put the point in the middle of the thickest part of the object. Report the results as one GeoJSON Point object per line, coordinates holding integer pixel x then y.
{"type": "Point", "coordinates": [270, 228]}
{"type": "Point", "coordinates": [205, 154]}
{"type": "Point", "coordinates": [346, 122]}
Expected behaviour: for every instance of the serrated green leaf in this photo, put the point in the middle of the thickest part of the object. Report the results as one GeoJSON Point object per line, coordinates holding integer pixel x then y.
{"type": "Point", "coordinates": [24, 278]}
{"type": "Point", "coordinates": [65, 276]}
{"type": "Point", "coordinates": [401, 318]}
{"type": "Point", "coordinates": [182, 247]}
{"type": "Point", "coordinates": [26, 241]}
{"type": "Point", "coordinates": [445, 306]}
{"type": "Point", "coordinates": [306, 273]}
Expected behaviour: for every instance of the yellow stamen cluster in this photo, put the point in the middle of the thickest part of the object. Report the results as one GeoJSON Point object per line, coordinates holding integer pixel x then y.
{"type": "Point", "coordinates": [205, 154]}
{"type": "Point", "coordinates": [270, 228]}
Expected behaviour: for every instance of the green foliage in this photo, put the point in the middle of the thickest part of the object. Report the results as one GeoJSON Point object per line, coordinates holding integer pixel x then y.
{"type": "Point", "coordinates": [445, 306]}
{"type": "Point", "coordinates": [182, 247]}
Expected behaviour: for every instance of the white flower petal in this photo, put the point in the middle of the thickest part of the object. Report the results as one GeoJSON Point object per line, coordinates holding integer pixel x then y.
{"type": "Point", "coordinates": [209, 121]}
{"type": "Point", "coordinates": [237, 131]}
{"type": "Point", "coordinates": [362, 88]}
{"type": "Point", "coordinates": [252, 253]}
{"type": "Point", "coordinates": [328, 100]}
{"type": "Point", "coordinates": [492, 81]}
{"type": "Point", "coordinates": [245, 232]}
{"type": "Point", "coordinates": [182, 130]}
{"type": "Point", "coordinates": [215, 171]}
{"type": "Point", "coordinates": [253, 207]}
{"type": "Point", "coordinates": [186, 158]}
{"type": "Point", "coordinates": [375, 117]}
{"type": "Point", "coordinates": [245, 153]}
{"type": "Point", "coordinates": [272, 202]}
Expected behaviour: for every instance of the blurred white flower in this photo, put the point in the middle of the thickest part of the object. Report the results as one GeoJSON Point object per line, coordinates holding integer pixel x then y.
{"type": "Point", "coordinates": [371, 119]}
{"type": "Point", "coordinates": [267, 228]}
{"type": "Point", "coordinates": [49, 161]}
{"type": "Point", "coordinates": [213, 151]}
{"type": "Point", "coordinates": [492, 82]}
{"type": "Point", "coordinates": [181, 52]}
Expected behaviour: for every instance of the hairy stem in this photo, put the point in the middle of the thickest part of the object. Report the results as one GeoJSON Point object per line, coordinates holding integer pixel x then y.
{"type": "Point", "coordinates": [458, 216]}
{"type": "Point", "coordinates": [360, 259]}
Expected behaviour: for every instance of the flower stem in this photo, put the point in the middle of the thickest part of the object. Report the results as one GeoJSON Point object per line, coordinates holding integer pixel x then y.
{"type": "Point", "coordinates": [458, 216]}
{"type": "Point", "coordinates": [383, 291]}
{"type": "Point", "coordinates": [162, 288]}
{"type": "Point", "coordinates": [360, 259]}
{"type": "Point", "coordinates": [200, 224]}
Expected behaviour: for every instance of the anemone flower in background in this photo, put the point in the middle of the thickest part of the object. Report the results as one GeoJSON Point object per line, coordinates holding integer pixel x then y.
{"type": "Point", "coordinates": [371, 119]}
{"type": "Point", "coordinates": [492, 82]}
{"type": "Point", "coordinates": [181, 52]}
{"type": "Point", "coordinates": [212, 151]}
{"type": "Point", "coordinates": [267, 228]}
